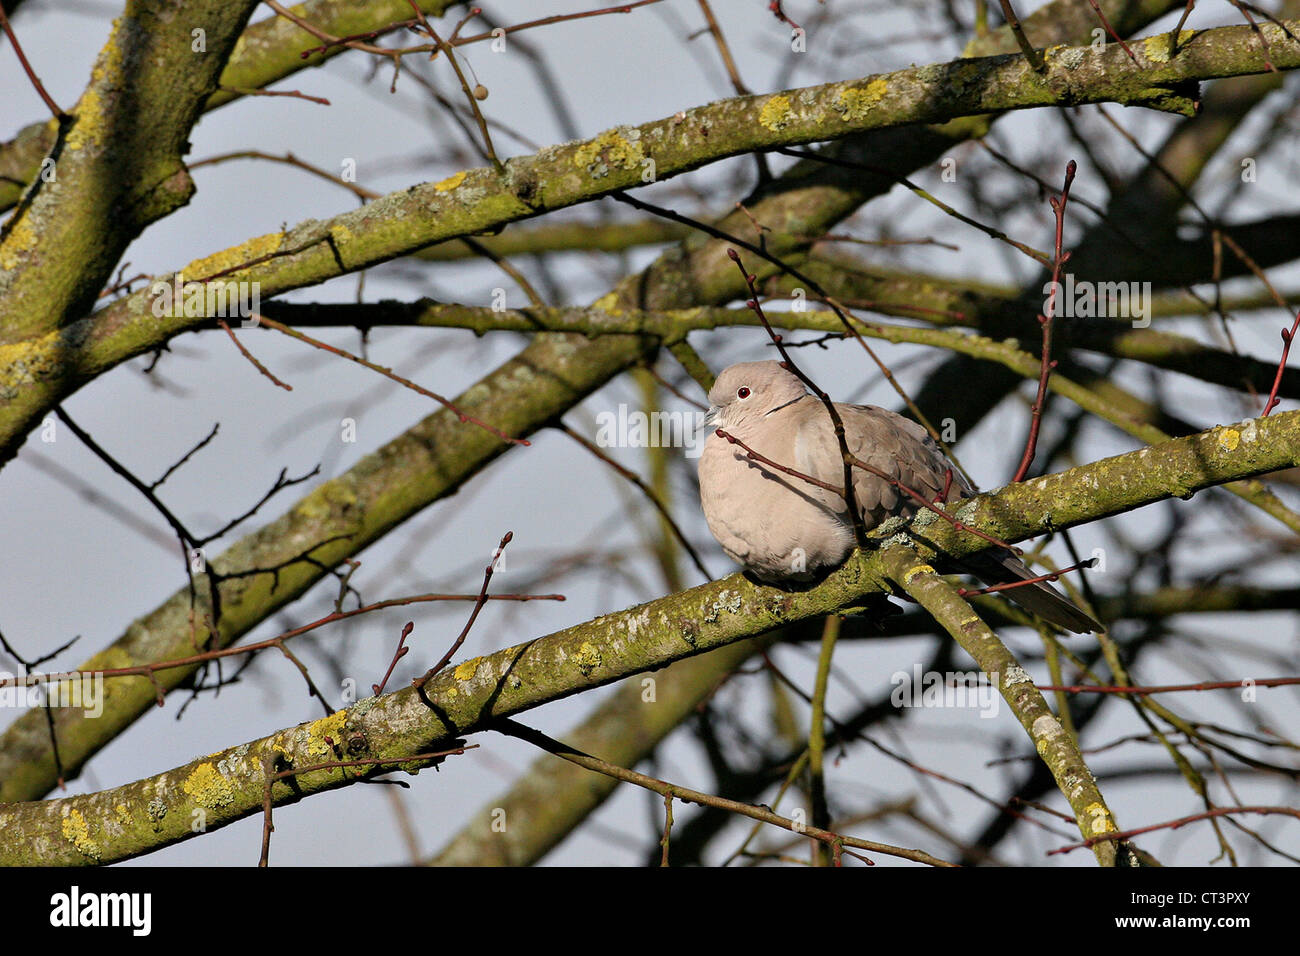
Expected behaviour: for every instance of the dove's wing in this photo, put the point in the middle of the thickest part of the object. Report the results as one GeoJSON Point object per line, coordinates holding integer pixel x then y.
{"type": "Point", "coordinates": [893, 445]}
{"type": "Point", "coordinates": [900, 448]}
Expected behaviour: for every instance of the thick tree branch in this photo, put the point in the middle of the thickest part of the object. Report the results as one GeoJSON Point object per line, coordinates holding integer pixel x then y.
{"type": "Point", "coordinates": [557, 371]}
{"type": "Point", "coordinates": [39, 373]}
{"type": "Point", "coordinates": [1054, 745]}
{"type": "Point", "coordinates": [267, 51]}
{"type": "Point", "coordinates": [118, 162]}
{"type": "Point", "coordinates": [127, 821]}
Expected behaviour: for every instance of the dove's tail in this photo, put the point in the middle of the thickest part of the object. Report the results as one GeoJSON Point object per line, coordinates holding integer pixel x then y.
{"type": "Point", "coordinates": [1040, 598]}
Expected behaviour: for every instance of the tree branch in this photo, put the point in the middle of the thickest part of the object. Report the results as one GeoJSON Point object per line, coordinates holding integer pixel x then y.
{"type": "Point", "coordinates": [230, 785]}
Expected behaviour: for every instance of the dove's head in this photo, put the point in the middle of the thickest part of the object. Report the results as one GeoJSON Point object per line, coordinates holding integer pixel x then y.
{"type": "Point", "coordinates": [743, 394]}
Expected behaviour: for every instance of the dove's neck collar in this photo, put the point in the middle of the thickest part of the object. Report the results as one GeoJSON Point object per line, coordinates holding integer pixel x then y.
{"type": "Point", "coordinates": [771, 411]}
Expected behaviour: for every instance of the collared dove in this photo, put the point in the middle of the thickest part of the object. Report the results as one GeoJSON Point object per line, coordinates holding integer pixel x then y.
{"type": "Point", "coordinates": [784, 528]}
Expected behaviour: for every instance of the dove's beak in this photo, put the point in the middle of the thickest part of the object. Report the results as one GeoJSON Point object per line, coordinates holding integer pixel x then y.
{"type": "Point", "coordinates": [712, 416]}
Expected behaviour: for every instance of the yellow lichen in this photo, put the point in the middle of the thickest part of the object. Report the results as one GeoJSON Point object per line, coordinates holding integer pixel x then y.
{"type": "Point", "coordinates": [450, 183]}
{"type": "Point", "coordinates": [1099, 817]}
{"type": "Point", "coordinates": [588, 658]}
{"type": "Point", "coordinates": [776, 114]}
{"type": "Point", "coordinates": [328, 498]}
{"type": "Point", "coordinates": [1156, 48]}
{"type": "Point", "coordinates": [855, 103]}
{"type": "Point", "coordinates": [208, 787]}
{"type": "Point", "coordinates": [20, 240]}
{"type": "Point", "coordinates": [111, 659]}
{"type": "Point", "coordinates": [609, 302]}
{"type": "Point", "coordinates": [77, 832]}
{"type": "Point", "coordinates": [227, 259]}
{"type": "Point", "coordinates": [465, 670]}
{"type": "Point", "coordinates": [122, 813]}
{"type": "Point", "coordinates": [318, 730]}
{"type": "Point", "coordinates": [1229, 438]}
{"type": "Point", "coordinates": [913, 573]}
{"type": "Point", "coordinates": [87, 124]}
{"type": "Point", "coordinates": [610, 148]}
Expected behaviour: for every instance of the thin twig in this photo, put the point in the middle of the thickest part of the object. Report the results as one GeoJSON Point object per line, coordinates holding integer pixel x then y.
{"type": "Point", "coordinates": [646, 490]}
{"type": "Point", "coordinates": [27, 68]}
{"type": "Point", "coordinates": [187, 456]}
{"type": "Point", "coordinates": [1174, 825]}
{"type": "Point", "coordinates": [1178, 28]}
{"type": "Point", "coordinates": [1045, 320]}
{"type": "Point", "coordinates": [1054, 576]}
{"type": "Point", "coordinates": [668, 827]}
{"type": "Point", "coordinates": [1172, 688]}
{"type": "Point", "coordinates": [428, 675]}
{"type": "Point", "coordinates": [464, 85]}
{"type": "Point", "coordinates": [149, 669]}
{"type": "Point", "coordinates": [724, 51]}
{"type": "Point", "coordinates": [1111, 30]}
{"type": "Point", "coordinates": [1287, 338]}
{"type": "Point", "coordinates": [389, 373]}
{"type": "Point", "coordinates": [1027, 48]}
{"type": "Point", "coordinates": [253, 91]}
{"type": "Point", "coordinates": [401, 652]}
{"type": "Point", "coordinates": [291, 160]}
{"type": "Point", "coordinates": [540, 740]}
{"type": "Point", "coordinates": [252, 358]}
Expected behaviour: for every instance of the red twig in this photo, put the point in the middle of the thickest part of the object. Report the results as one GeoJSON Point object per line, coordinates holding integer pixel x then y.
{"type": "Point", "coordinates": [756, 456]}
{"type": "Point", "coordinates": [148, 670]}
{"type": "Point", "coordinates": [389, 373]}
{"type": "Point", "coordinates": [27, 68]}
{"type": "Point", "coordinates": [1111, 30]}
{"type": "Point", "coordinates": [252, 358]}
{"type": "Point", "coordinates": [1174, 825]}
{"type": "Point", "coordinates": [1170, 688]}
{"type": "Point", "coordinates": [460, 24]}
{"type": "Point", "coordinates": [428, 675]}
{"type": "Point", "coordinates": [297, 94]}
{"type": "Point", "coordinates": [401, 652]}
{"type": "Point", "coordinates": [1045, 320]}
{"type": "Point", "coordinates": [558, 18]}
{"type": "Point", "coordinates": [1258, 33]}
{"type": "Point", "coordinates": [775, 7]}
{"type": "Point", "coordinates": [1287, 339]}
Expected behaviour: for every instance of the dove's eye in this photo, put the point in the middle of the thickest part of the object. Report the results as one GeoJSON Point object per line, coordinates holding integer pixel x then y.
{"type": "Point", "coordinates": [742, 392]}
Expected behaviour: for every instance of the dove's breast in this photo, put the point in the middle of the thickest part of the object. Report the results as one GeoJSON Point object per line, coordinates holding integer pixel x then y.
{"type": "Point", "coordinates": [778, 526]}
